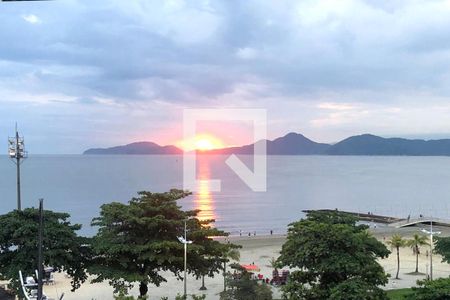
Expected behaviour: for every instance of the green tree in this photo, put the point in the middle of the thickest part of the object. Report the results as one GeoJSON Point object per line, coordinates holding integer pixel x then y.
{"type": "Point", "coordinates": [442, 247]}
{"type": "Point", "coordinates": [438, 289]}
{"type": "Point", "coordinates": [356, 289]}
{"type": "Point", "coordinates": [243, 287]}
{"type": "Point", "coordinates": [397, 242]}
{"type": "Point", "coordinates": [231, 254]}
{"type": "Point", "coordinates": [330, 255]}
{"type": "Point", "coordinates": [63, 248]}
{"type": "Point", "coordinates": [415, 243]}
{"type": "Point", "coordinates": [138, 240]}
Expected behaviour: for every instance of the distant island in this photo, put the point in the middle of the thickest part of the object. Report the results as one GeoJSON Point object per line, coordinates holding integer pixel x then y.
{"type": "Point", "coordinates": [297, 144]}
{"type": "Point", "coordinates": [137, 148]}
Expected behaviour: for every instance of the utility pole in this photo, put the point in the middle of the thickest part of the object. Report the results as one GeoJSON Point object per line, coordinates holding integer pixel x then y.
{"type": "Point", "coordinates": [40, 257]}
{"type": "Point", "coordinates": [17, 153]}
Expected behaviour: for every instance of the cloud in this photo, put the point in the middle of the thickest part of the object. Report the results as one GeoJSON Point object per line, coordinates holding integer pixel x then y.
{"type": "Point", "coordinates": [209, 47]}
{"type": "Point", "coordinates": [336, 106]}
{"type": "Point", "coordinates": [31, 19]}
{"type": "Point", "coordinates": [314, 64]}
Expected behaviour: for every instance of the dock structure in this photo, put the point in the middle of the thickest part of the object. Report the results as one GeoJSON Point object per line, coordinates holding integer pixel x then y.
{"type": "Point", "coordinates": [421, 220]}
{"type": "Point", "coordinates": [369, 217]}
{"type": "Point", "coordinates": [391, 221]}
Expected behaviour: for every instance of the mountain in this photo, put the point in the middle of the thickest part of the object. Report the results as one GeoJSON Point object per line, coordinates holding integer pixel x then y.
{"type": "Point", "coordinates": [297, 144]}
{"type": "Point", "coordinates": [136, 148]}
{"type": "Point", "coordinates": [290, 144]}
{"type": "Point", "coordinates": [368, 144]}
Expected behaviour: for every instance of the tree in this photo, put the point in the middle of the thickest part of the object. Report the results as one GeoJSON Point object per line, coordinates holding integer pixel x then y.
{"type": "Point", "coordinates": [138, 240]}
{"type": "Point", "coordinates": [231, 254]}
{"type": "Point", "coordinates": [415, 243]}
{"type": "Point", "coordinates": [442, 247]}
{"type": "Point", "coordinates": [438, 289]}
{"type": "Point", "coordinates": [63, 248]}
{"type": "Point", "coordinates": [243, 287]}
{"type": "Point", "coordinates": [397, 242]}
{"type": "Point", "coordinates": [331, 255]}
{"type": "Point", "coordinates": [356, 289]}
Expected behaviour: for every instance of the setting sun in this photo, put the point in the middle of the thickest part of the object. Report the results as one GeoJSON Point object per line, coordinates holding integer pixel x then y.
{"type": "Point", "coordinates": [202, 142]}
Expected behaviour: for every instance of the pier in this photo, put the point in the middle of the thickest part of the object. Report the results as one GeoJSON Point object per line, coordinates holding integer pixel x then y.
{"type": "Point", "coordinates": [423, 220]}
{"type": "Point", "coordinates": [391, 221]}
{"type": "Point", "coordinates": [369, 217]}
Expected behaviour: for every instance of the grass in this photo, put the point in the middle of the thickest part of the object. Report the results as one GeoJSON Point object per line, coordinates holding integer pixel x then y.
{"type": "Point", "coordinates": [398, 294]}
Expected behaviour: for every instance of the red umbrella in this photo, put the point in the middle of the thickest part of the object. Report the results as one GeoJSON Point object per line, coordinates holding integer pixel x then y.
{"type": "Point", "coordinates": [251, 268]}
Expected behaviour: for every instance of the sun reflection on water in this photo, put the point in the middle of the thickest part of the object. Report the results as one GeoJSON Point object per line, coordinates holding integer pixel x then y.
{"type": "Point", "coordinates": [203, 197]}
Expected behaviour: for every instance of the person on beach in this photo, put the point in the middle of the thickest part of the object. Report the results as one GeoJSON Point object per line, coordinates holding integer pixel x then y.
{"type": "Point", "coordinates": [240, 232]}
{"type": "Point", "coordinates": [271, 232]}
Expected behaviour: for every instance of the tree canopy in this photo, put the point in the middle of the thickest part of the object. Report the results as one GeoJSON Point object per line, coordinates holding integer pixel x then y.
{"type": "Point", "coordinates": [332, 258]}
{"type": "Point", "coordinates": [442, 247]}
{"type": "Point", "coordinates": [438, 289]}
{"type": "Point", "coordinates": [63, 248]}
{"type": "Point", "coordinates": [138, 240]}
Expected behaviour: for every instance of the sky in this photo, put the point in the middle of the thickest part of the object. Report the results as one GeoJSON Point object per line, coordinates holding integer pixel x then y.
{"type": "Point", "coordinates": [78, 74]}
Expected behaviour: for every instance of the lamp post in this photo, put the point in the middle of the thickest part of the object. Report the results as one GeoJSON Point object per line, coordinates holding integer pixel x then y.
{"type": "Point", "coordinates": [431, 233]}
{"type": "Point", "coordinates": [40, 256]}
{"type": "Point", "coordinates": [185, 242]}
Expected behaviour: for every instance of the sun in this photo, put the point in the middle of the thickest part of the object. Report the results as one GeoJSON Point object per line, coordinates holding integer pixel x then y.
{"type": "Point", "coordinates": [204, 144]}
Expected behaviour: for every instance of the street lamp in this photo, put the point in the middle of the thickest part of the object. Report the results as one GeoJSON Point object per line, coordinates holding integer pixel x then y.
{"type": "Point", "coordinates": [185, 242]}
{"type": "Point", "coordinates": [431, 233]}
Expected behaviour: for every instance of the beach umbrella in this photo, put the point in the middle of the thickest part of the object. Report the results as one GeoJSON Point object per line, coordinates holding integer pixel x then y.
{"type": "Point", "coordinates": [251, 268]}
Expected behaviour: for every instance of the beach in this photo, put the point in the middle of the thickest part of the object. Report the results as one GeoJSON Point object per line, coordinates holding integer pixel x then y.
{"type": "Point", "coordinates": [255, 249]}
{"type": "Point", "coordinates": [260, 250]}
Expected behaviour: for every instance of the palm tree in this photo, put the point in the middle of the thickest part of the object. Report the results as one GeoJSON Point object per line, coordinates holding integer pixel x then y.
{"type": "Point", "coordinates": [231, 254]}
{"type": "Point", "coordinates": [273, 263]}
{"type": "Point", "coordinates": [417, 241]}
{"type": "Point", "coordinates": [396, 242]}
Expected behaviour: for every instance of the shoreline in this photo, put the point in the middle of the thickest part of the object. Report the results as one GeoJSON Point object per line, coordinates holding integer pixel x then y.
{"type": "Point", "coordinates": [260, 250]}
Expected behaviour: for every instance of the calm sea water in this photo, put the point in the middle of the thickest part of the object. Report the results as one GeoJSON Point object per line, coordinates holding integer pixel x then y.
{"type": "Point", "coordinates": [77, 184]}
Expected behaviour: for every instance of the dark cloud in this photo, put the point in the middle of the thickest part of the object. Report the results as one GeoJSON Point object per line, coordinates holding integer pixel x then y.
{"type": "Point", "coordinates": [198, 53]}
{"type": "Point", "coordinates": [296, 45]}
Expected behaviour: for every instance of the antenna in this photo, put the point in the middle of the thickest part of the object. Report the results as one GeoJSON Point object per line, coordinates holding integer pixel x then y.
{"type": "Point", "coordinates": [17, 153]}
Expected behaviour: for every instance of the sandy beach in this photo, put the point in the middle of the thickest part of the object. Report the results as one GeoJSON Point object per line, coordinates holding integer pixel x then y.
{"type": "Point", "coordinates": [260, 250]}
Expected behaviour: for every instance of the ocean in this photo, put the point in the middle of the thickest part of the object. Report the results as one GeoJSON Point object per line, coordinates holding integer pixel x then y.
{"type": "Point", "coordinates": [79, 185]}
